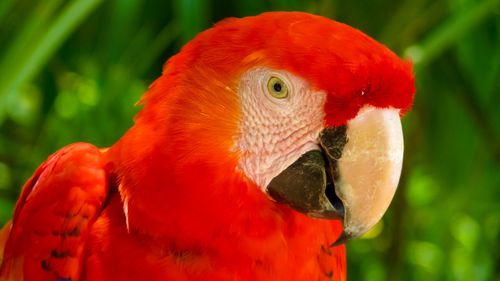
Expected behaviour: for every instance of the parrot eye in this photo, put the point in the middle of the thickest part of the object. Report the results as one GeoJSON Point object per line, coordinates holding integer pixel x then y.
{"type": "Point", "coordinates": [277, 88]}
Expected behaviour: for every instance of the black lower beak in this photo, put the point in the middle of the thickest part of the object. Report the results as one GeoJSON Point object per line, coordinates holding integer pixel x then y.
{"type": "Point", "coordinates": [308, 184]}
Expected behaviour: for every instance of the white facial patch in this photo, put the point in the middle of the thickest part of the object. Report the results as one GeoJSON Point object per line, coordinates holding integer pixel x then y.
{"type": "Point", "coordinates": [274, 132]}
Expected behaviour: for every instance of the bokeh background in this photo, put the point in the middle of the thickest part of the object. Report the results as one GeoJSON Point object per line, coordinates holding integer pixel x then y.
{"type": "Point", "coordinates": [72, 71]}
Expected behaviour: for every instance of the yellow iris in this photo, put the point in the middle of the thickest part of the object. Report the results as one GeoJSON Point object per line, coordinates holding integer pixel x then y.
{"type": "Point", "coordinates": [277, 88]}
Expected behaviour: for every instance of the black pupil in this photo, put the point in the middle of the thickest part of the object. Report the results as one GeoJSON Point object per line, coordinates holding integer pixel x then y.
{"type": "Point", "coordinates": [277, 87]}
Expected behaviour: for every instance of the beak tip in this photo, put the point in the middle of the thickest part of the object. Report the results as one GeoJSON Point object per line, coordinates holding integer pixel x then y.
{"type": "Point", "coordinates": [343, 238]}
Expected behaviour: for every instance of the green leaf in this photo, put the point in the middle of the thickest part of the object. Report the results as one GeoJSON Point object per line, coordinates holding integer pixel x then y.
{"type": "Point", "coordinates": [27, 60]}
{"type": "Point", "coordinates": [450, 32]}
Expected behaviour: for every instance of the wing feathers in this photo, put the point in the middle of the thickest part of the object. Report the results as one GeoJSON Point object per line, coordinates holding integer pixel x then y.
{"type": "Point", "coordinates": [53, 215]}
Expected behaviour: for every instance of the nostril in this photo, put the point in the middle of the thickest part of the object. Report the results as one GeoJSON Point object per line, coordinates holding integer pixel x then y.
{"type": "Point", "coordinates": [334, 199]}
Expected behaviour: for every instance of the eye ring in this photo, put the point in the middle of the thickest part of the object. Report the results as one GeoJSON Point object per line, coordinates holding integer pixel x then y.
{"type": "Point", "coordinates": [277, 88]}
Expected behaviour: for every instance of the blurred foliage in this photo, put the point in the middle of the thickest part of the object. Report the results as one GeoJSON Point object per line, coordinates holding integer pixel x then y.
{"type": "Point", "coordinates": [72, 70]}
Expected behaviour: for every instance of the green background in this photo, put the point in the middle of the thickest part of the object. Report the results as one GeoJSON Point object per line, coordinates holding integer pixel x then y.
{"type": "Point", "coordinates": [72, 70]}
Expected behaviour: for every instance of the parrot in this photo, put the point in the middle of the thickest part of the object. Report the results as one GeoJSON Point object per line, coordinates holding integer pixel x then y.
{"type": "Point", "coordinates": [266, 144]}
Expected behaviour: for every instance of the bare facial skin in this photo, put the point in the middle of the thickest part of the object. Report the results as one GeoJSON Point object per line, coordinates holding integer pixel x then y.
{"type": "Point", "coordinates": [276, 132]}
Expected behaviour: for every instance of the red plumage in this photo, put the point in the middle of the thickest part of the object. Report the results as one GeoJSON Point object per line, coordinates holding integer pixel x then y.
{"type": "Point", "coordinates": [177, 208]}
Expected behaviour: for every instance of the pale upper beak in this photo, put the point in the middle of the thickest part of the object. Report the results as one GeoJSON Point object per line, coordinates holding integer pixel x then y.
{"type": "Point", "coordinates": [369, 169]}
{"type": "Point", "coordinates": [353, 178]}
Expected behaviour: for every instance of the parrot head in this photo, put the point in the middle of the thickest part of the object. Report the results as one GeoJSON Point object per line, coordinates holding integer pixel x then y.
{"type": "Point", "coordinates": [304, 108]}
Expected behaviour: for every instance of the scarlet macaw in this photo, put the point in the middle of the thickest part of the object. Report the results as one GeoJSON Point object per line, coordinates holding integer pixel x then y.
{"type": "Point", "coordinates": [267, 142]}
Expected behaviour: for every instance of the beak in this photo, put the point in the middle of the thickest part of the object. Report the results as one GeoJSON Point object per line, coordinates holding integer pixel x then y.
{"type": "Point", "coordinates": [353, 177]}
